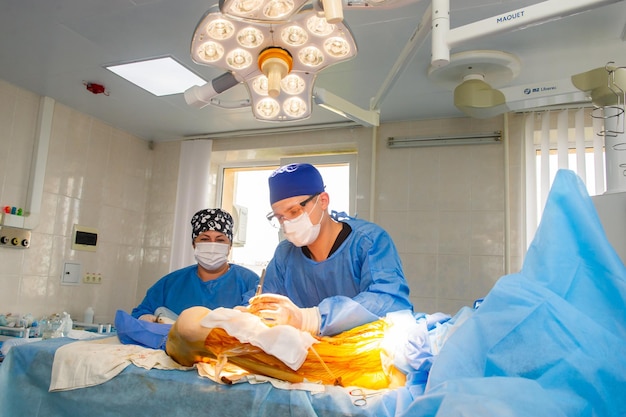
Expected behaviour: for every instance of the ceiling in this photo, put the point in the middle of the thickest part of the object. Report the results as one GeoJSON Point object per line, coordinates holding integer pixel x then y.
{"type": "Point", "coordinates": [53, 47]}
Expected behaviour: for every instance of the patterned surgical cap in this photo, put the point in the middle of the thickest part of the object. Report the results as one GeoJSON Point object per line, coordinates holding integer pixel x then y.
{"type": "Point", "coordinates": [212, 219]}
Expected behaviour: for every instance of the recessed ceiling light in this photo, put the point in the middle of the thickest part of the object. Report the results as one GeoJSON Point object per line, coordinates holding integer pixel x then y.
{"type": "Point", "coordinates": [161, 76]}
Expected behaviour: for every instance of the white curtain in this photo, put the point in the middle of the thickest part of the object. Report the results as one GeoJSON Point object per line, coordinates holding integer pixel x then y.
{"type": "Point", "coordinates": [567, 139]}
{"type": "Point", "coordinates": [192, 195]}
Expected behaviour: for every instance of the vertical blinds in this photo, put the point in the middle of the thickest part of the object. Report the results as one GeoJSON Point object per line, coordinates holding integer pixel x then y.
{"type": "Point", "coordinates": [563, 139]}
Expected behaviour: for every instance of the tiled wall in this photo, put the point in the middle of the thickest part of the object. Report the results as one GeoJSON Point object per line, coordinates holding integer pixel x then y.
{"type": "Point", "coordinates": [444, 206]}
{"type": "Point", "coordinates": [98, 177]}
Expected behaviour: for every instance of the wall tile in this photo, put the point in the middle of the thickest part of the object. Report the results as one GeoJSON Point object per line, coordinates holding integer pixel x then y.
{"type": "Point", "coordinates": [11, 261]}
{"type": "Point", "coordinates": [9, 301]}
{"type": "Point", "coordinates": [423, 179]}
{"type": "Point", "coordinates": [422, 232]}
{"type": "Point", "coordinates": [454, 276]}
{"type": "Point", "coordinates": [454, 232]}
{"type": "Point", "coordinates": [487, 233]}
{"type": "Point", "coordinates": [421, 273]}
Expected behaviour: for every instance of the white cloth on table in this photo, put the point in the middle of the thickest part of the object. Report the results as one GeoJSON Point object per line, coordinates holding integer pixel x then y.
{"type": "Point", "coordinates": [83, 364]}
{"type": "Point", "coordinates": [86, 363]}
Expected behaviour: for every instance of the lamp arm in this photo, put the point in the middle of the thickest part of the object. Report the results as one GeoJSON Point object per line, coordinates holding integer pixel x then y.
{"type": "Point", "coordinates": [409, 50]}
{"type": "Point", "coordinates": [230, 104]}
{"type": "Point", "coordinates": [444, 38]}
{"type": "Point", "coordinates": [200, 96]}
{"type": "Point", "coordinates": [344, 108]}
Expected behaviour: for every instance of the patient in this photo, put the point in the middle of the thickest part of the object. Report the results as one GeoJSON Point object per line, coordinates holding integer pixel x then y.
{"type": "Point", "coordinates": [352, 358]}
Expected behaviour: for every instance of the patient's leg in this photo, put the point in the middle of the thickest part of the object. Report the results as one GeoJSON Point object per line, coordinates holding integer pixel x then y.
{"type": "Point", "coordinates": [185, 343]}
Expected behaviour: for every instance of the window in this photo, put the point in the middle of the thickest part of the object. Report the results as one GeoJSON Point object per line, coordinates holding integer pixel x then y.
{"type": "Point", "coordinates": [245, 188]}
{"type": "Point", "coordinates": [587, 172]}
{"type": "Point", "coordinates": [565, 139]}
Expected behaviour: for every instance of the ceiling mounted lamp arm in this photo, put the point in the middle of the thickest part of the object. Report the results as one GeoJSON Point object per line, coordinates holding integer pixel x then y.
{"type": "Point", "coordinates": [333, 9]}
{"type": "Point", "coordinates": [444, 38]}
{"type": "Point", "coordinates": [233, 104]}
{"type": "Point", "coordinates": [409, 50]}
{"type": "Point", "coordinates": [202, 96]}
{"type": "Point", "coordinates": [342, 107]}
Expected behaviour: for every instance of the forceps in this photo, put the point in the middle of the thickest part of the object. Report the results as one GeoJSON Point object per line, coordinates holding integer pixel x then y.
{"type": "Point", "coordinates": [362, 396]}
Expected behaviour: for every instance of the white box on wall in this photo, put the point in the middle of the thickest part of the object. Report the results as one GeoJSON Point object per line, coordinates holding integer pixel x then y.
{"type": "Point", "coordinates": [71, 273]}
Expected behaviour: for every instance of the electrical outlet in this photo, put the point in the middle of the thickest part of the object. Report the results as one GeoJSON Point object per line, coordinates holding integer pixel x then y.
{"type": "Point", "coordinates": [92, 278]}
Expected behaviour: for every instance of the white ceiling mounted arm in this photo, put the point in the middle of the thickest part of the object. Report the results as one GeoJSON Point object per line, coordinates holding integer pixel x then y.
{"type": "Point", "coordinates": [333, 9]}
{"type": "Point", "coordinates": [236, 104]}
{"type": "Point", "coordinates": [200, 96]}
{"type": "Point", "coordinates": [377, 4]}
{"type": "Point", "coordinates": [342, 107]}
{"type": "Point", "coordinates": [409, 50]}
{"type": "Point", "coordinates": [444, 38]}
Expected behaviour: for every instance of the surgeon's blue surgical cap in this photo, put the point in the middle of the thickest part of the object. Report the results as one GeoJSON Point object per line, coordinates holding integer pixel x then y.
{"type": "Point", "coordinates": [212, 219]}
{"type": "Point", "coordinates": [293, 180]}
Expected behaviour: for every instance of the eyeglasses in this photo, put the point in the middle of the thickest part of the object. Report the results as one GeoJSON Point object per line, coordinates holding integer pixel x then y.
{"type": "Point", "coordinates": [291, 213]}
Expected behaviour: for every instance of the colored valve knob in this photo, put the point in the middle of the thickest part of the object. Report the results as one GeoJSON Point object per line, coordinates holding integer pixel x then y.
{"type": "Point", "coordinates": [13, 210]}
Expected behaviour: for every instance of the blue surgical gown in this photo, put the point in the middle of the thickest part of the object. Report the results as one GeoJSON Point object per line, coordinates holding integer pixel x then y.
{"type": "Point", "coordinates": [183, 288]}
{"type": "Point", "coordinates": [359, 283]}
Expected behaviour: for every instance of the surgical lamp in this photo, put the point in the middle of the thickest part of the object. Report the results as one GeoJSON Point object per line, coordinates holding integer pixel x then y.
{"type": "Point", "coordinates": [261, 11]}
{"type": "Point", "coordinates": [272, 11]}
{"type": "Point", "coordinates": [278, 62]}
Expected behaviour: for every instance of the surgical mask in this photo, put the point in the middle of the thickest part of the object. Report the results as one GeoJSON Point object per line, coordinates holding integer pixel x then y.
{"type": "Point", "coordinates": [211, 255]}
{"type": "Point", "coordinates": [301, 231]}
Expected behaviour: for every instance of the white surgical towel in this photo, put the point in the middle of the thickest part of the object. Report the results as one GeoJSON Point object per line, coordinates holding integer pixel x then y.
{"type": "Point", "coordinates": [287, 343]}
{"type": "Point", "coordinates": [87, 363]}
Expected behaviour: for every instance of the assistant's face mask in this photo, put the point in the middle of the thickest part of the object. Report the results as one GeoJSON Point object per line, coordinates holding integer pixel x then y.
{"type": "Point", "coordinates": [300, 231]}
{"type": "Point", "coordinates": [211, 255]}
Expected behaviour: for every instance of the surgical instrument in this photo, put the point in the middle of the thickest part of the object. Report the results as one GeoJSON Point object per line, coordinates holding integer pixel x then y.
{"type": "Point", "coordinates": [362, 396]}
{"type": "Point", "coordinates": [259, 287]}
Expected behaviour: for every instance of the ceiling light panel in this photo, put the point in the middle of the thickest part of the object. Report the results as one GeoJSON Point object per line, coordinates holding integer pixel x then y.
{"type": "Point", "coordinates": [161, 76]}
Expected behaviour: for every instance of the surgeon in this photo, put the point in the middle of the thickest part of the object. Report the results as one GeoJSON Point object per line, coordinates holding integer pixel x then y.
{"type": "Point", "coordinates": [328, 276]}
{"type": "Point", "coordinates": [212, 282]}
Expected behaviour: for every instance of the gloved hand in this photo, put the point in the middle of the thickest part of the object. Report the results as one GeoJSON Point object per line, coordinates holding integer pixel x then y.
{"type": "Point", "coordinates": [165, 320]}
{"type": "Point", "coordinates": [148, 317]}
{"type": "Point", "coordinates": [156, 319]}
{"type": "Point", "coordinates": [276, 309]}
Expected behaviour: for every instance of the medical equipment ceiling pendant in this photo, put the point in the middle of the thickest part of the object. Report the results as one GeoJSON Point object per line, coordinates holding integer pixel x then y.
{"type": "Point", "coordinates": [278, 62]}
{"type": "Point", "coordinates": [607, 88]}
{"type": "Point", "coordinates": [474, 75]}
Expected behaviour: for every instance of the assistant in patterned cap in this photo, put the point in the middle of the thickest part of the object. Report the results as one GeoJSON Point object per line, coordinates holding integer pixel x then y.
{"type": "Point", "coordinates": [213, 282]}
